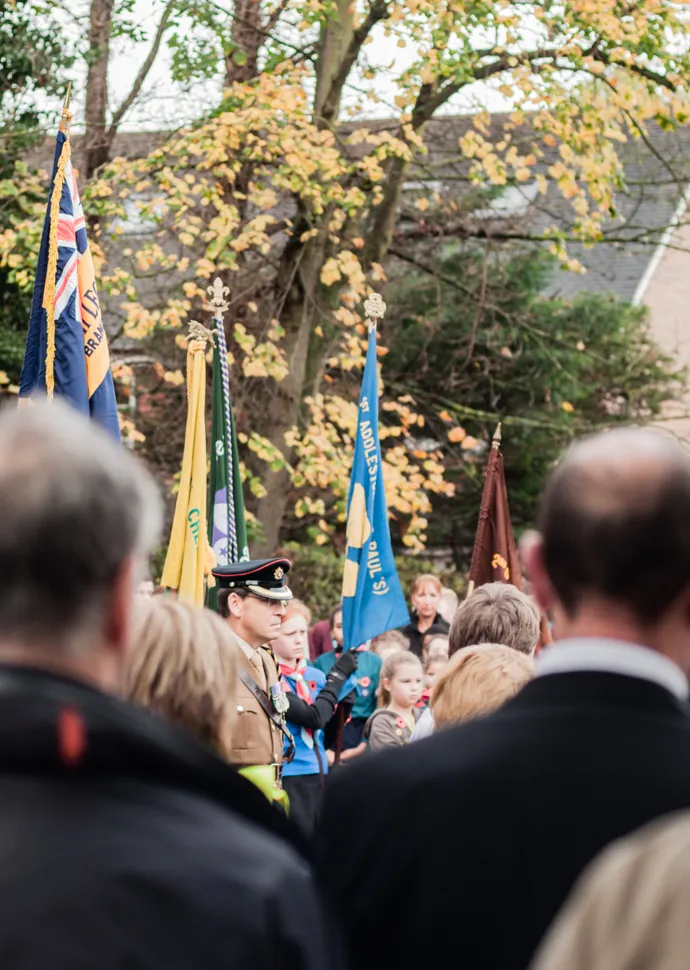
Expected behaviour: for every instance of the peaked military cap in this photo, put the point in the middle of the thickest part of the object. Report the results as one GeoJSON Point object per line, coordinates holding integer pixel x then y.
{"type": "Point", "coordinates": [264, 577]}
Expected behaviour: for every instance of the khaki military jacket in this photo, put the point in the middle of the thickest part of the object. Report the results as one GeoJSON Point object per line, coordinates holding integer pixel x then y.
{"type": "Point", "coordinates": [255, 738]}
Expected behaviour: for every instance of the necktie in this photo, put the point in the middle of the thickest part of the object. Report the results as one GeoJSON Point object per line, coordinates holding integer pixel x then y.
{"type": "Point", "coordinates": [260, 676]}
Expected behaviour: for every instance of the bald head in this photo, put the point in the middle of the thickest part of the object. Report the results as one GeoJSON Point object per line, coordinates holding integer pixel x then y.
{"type": "Point", "coordinates": [615, 521]}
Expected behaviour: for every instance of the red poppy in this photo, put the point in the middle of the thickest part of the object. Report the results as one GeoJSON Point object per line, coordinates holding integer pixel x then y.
{"type": "Point", "coordinates": [399, 721]}
{"type": "Point", "coordinates": [312, 685]}
{"type": "Point", "coordinates": [364, 681]}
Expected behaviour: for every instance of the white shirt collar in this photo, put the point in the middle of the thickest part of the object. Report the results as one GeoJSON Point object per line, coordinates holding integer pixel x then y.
{"type": "Point", "coordinates": [614, 657]}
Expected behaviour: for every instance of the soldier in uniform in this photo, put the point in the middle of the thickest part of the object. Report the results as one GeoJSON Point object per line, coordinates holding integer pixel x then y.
{"type": "Point", "coordinates": [252, 599]}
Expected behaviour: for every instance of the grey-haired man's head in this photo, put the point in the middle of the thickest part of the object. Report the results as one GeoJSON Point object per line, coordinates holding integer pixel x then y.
{"type": "Point", "coordinates": [78, 517]}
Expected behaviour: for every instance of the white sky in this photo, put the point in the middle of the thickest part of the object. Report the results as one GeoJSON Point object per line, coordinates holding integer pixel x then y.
{"type": "Point", "coordinates": [164, 104]}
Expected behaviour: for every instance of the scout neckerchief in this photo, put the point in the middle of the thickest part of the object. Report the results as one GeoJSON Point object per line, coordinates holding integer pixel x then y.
{"type": "Point", "coordinates": [296, 674]}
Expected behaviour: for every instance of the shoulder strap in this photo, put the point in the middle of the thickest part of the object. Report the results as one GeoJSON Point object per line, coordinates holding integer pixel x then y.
{"type": "Point", "coordinates": [267, 707]}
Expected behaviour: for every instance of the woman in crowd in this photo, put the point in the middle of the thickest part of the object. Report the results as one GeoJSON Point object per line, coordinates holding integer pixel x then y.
{"type": "Point", "coordinates": [182, 667]}
{"type": "Point", "coordinates": [312, 698]}
{"type": "Point", "coordinates": [367, 682]}
{"type": "Point", "coordinates": [425, 598]}
{"type": "Point", "coordinates": [402, 679]}
{"type": "Point", "coordinates": [478, 680]}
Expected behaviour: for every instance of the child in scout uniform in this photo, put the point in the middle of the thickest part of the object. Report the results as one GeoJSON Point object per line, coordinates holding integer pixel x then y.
{"type": "Point", "coordinates": [367, 682]}
{"type": "Point", "coordinates": [252, 599]}
{"type": "Point", "coordinates": [312, 698]}
{"type": "Point", "coordinates": [402, 681]}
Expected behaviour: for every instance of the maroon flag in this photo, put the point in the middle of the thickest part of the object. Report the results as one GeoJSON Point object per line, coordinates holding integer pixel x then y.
{"type": "Point", "coordinates": [494, 557]}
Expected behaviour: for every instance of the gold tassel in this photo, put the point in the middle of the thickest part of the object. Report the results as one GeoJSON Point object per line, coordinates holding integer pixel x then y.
{"type": "Point", "coordinates": [49, 289]}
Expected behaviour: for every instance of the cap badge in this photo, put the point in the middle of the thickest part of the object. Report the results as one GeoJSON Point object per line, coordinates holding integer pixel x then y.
{"type": "Point", "coordinates": [279, 573]}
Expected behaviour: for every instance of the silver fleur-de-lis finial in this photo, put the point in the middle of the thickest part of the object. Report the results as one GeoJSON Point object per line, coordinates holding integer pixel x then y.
{"type": "Point", "coordinates": [218, 297]}
{"type": "Point", "coordinates": [375, 309]}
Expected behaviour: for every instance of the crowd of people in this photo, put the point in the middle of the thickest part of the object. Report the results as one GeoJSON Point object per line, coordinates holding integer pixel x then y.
{"type": "Point", "coordinates": [181, 788]}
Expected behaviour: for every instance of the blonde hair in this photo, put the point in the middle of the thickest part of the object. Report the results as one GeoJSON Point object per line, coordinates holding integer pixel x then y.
{"type": "Point", "coordinates": [182, 666]}
{"type": "Point", "coordinates": [496, 613]}
{"type": "Point", "coordinates": [390, 638]}
{"type": "Point", "coordinates": [478, 680]}
{"type": "Point", "coordinates": [427, 578]}
{"type": "Point", "coordinates": [389, 669]}
{"type": "Point", "coordinates": [297, 608]}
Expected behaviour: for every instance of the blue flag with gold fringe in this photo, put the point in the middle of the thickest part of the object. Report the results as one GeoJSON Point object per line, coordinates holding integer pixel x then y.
{"type": "Point", "coordinates": [373, 600]}
{"type": "Point", "coordinates": [66, 350]}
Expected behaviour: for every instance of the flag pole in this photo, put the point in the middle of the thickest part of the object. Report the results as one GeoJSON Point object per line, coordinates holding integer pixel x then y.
{"type": "Point", "coordinates": [218, 303]}
{"type": "Point", "coordinates": [484, 507]}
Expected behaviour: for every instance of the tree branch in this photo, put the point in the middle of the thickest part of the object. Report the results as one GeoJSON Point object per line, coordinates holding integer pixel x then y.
{"type": "Point", "coordinates": [377, 12]}
{"type": "Point", "coordinates": [143, 72]}
{"type": "Point", "coordinates": [644, 72]}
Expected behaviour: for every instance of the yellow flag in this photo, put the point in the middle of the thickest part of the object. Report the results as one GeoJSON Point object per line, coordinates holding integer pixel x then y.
{"type": "Point", "coordinates": [187, 558]}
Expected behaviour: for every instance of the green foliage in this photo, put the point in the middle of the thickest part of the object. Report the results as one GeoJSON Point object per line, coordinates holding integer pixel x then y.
{"type": "Point", "coordinates": [316, 576]}
{"type": "Point", "coordinates": [480, 340]}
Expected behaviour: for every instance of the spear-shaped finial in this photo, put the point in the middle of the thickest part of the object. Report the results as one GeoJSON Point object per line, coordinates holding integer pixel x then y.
{"type": "Point", "coordinates": [66, 116]}
{"type": "Point", "coordinates": [374, 309]}
{"type": "Point", "coordinates": [496, 443]}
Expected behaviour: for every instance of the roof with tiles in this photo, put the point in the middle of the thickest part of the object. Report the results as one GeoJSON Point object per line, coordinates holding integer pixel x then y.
{"type": "Point", "coordinates": [656, 167]}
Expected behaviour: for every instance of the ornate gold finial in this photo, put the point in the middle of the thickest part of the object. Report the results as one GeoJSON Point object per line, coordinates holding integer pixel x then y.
{"type": "Point", "coordinates": [198, 333]}
{"type": "Point", "coordinates": [218, 297]}
{"type": "Point", "coordinates": [496, 443]}
{"type": "Point", "coordinates": [66, 116]}
{"type": "Point", "coordinates": [375, 309]}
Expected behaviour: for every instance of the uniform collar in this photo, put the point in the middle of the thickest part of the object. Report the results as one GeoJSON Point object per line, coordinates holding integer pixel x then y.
{"type": "Point", "coordinates": [613, 657]}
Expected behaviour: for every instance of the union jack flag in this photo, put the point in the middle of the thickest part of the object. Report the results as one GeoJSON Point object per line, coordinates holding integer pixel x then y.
{"type": "Point", "coordinates": [65, 281]}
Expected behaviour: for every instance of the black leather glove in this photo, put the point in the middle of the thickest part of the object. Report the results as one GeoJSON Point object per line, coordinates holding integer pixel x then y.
{"type": "Point", "coordinates": [346, 664]}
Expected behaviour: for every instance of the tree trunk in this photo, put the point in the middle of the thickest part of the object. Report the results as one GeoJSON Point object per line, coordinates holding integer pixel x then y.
{"type": "Point", "coordinates": [299, 275]}
{"type": "Point", "coordinates": [335, 39]}
{"type": "Point", "coordinates": [96, 142]}
{"type": "Point", "coordinates": [242, 64]}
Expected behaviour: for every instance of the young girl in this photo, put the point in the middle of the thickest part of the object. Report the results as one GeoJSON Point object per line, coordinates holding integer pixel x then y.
{"type": "Point", "coordinates": [434, 665]}
{"type": "Point", "coordinates": [312, 697]}
{"type": "Point", "coordinates": [435, 643]}
{"type": "Point", "coordinates": [402, 680]}
{"type": "Point", "coordinates": [387, 643]}
{"type": "Point", "coordinates": [426, 596]}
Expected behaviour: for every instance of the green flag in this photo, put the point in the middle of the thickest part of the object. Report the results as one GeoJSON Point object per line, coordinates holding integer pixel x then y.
{"type": "Point", "coordinates": [227, 530]}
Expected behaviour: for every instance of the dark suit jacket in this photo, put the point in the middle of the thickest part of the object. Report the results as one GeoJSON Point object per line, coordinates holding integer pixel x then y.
{"type": "Point", "coordinates": [463, 847]}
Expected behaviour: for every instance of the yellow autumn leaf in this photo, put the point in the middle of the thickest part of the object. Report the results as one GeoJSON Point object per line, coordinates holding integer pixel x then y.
{"type": "Point", "coordinates": [444, 416]}
{"type": "Point", "coordinates": [469, 443]}
{"type": "Point", "coordinates": [457, 434]}
{"type": "Point", "coordinates": [252, 306]}
{"type": "Point", "coordinates": [567, 407]}
{"type": "Point", "coordinates": [422, 204]}
{"type": "Point", "coordinates": [330, 272]}
{"type": "Point", "coordinates": [174, 377]}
